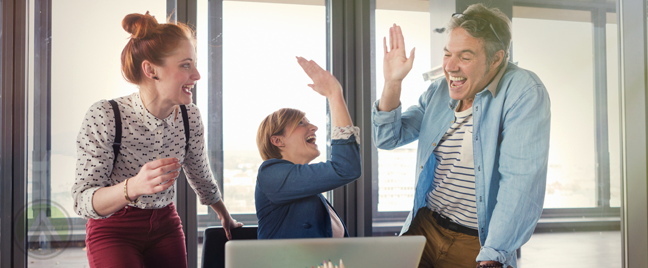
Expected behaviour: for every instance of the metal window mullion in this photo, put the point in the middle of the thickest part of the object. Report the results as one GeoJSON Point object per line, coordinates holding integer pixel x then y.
{"type": "Point", "coordinates": [351, 63]}
{"type": "Point", "coordinates": [364, 95]}
{"type": "Point", "coordinates": [215, 95]}
{"type": "Point", "coordinates": [602, 155]}
{"type": "Point", "coordinates": [20, 129]}
{"type": "Point", "coordinates": [336, 56]}
{"type": "Point", "coordinates": [171, 7]}
{"type": "Point", "coordinates": [41, 155]}
{"type": "Point", "coordinates": [6, 135]}
{"type": "Point", "coordinates": [562, 4]}
{"type": "Point", "coordinates": [185, 11]}
{"type": "Point", "coordinates": [14, 146]}
{"type": "Point", "coordinates": [348, 85]}
{"type": "Point", "coordinates": [632, 78]}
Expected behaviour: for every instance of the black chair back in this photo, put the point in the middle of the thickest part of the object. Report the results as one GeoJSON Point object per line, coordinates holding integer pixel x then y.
{"type": "Point", "coordinates": [213, 250]}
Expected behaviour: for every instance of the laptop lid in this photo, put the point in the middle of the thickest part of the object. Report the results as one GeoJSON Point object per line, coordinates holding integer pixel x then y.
{"type": "Point", "coordinates": [355, 252]}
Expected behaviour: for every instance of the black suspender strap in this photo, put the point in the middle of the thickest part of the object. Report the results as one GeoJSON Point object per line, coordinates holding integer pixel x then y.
{"type": "Point", "coordinates": [118, 130]}
{"type": "Point", "coordinates": [185, 120]}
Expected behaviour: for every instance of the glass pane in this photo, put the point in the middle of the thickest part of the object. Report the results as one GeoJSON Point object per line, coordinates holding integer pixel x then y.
{"type": "Point", "coordinates": [396, 168]}
{"type": "Point", "coordinates": [586, 51]}
{"type": "Point", "coordinates": [1, 63]}
{"type": "Point", "coordinates": [85, 68]}
{"type": "Point", "coordinates": [260, 76]}
{"type": "Point", "coordinates": [570, 177]}
{"type": "Point", "coordinates": [613, 111]}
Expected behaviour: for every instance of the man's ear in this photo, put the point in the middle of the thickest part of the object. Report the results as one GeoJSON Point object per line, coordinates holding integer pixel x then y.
{"type": "Point", "coordinates": [149, 69]}
{"type": "Point", "coordinates": [498, 58]}
{"type": "Point", "coordinates": [277, 141]}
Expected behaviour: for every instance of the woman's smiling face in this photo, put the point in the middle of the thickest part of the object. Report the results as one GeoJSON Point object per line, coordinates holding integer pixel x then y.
{"type": "Point", "coordinates": [299, 146]}
{"type": "Point", "coordinates": [179, 74]}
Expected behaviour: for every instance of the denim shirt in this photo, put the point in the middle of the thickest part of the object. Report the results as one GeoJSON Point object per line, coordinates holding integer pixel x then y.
{"type": "Point", "coordinates": [510, 146]}
{"type": "Point", "coordinates": [288, 198]}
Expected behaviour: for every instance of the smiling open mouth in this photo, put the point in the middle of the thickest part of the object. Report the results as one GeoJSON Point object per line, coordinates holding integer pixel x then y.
{"type": "Point", "coordinates": [311, 139]}
{"type": "Point", "coordinates": [457, 81]}
{"type": "Point", "coordinates": [187, 88]}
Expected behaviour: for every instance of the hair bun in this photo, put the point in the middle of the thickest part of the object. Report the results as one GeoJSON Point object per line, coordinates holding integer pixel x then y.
{"type": "Point", "coordinates": [138, 25]}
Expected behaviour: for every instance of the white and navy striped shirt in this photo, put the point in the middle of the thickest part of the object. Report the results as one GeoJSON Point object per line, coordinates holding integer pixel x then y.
{"type": "Point", "coordinates": [454, 178]}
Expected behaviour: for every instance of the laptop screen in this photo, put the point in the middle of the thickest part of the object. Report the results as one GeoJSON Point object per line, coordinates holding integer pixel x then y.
{"type": "Point", "coordinates": [356, 252]}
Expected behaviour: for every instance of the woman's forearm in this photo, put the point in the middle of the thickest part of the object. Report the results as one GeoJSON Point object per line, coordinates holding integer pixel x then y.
{"type": "Point", "coordinates": [339, 113]}
{"type": "Point", "coordinates": [220, 209]}
{"type": "Point", "coordinates": [108, 200]}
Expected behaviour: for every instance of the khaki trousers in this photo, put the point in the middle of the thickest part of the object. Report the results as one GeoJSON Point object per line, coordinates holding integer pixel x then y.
{"type": "Point", "coordinates": [444, 248]}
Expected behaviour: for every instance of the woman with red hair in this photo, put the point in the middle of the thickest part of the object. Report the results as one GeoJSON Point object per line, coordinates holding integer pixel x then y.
{"type": "Point", "coordinates": [130, 151]}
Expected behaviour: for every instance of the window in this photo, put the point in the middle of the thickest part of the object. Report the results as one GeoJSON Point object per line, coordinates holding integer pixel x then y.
{"type": "Point", "coordinates": [396, 168]}
{"type": "Point", "coordinates": [576, 100]}
{"type": "Point", "coordinates": [84, 49]}
{"type": "Point", "coordinates": [246, 59]}
{"type": "Point", "coordinates": [258, 73]}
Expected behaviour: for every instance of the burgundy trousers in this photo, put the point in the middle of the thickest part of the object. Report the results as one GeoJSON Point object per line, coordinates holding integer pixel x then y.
{"type": "Point", "coordinates": [134, 237]}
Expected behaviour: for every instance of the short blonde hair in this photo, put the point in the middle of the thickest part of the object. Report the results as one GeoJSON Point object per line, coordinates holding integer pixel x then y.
{"type": "Point", "coordinates": [275, 124]}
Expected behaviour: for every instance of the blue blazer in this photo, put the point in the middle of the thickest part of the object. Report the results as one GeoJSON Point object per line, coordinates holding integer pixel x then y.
{"type": "Point", "coordinates": [288, 197]}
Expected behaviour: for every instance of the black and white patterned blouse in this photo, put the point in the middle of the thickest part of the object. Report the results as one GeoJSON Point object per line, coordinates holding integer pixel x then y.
{"type": "Point", "coordinates": [145, 138]}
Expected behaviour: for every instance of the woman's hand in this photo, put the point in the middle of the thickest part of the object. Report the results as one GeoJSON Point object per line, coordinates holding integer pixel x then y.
{"type": "Point", "coordinates": [395, 64]}
{"type": "Point", "coordinates": [228, 224]}
{"type": "Point", "coordinates": [154, 177]}
{"type": "Point", "coordinates": [227, 221]}
{"type": "Point", "coordinates": [324, 82]}
{"type": "Point", "coordinates": [329, 264]}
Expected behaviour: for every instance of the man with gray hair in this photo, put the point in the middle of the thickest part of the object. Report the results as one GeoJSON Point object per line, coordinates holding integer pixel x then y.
{"type": "Point", "coordinates": [483, 135]}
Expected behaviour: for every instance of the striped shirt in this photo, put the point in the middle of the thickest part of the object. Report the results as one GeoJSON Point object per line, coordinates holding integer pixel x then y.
{"type": "Point", "coordinates": [454, 178]}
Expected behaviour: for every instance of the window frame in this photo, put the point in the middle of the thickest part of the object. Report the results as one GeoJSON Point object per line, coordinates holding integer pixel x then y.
{"type": "Point", "coordinates": [351, 38]}
{"type": "Point", "coordinates": [553, 219]}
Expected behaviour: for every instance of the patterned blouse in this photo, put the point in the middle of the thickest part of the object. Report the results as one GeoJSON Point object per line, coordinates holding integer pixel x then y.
{"type": "Point", "coordinates": [145, 138]}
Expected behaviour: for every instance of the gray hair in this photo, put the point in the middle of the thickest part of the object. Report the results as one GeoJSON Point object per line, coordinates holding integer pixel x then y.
{"type": "Point", "coordinates": [495, 17]}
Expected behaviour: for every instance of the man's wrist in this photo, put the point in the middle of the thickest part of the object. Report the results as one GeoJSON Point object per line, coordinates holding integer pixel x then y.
{"type": "Point", "coordinates": [489, 264]}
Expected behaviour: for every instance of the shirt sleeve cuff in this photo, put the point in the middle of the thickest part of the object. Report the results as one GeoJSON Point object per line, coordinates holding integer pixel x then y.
{"type": "Point", "coordinates": [344, 133]}
{"type": "Point", "coordinates": [212, 199]}
{"type": "Point", "coordinates": [490, 254]}
{"type": "Point", "coordinates": [87, 210]}
{"type": "Point", "coordinates": [384, 117]}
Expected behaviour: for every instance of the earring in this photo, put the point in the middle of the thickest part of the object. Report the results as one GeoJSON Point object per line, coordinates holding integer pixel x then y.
{"type": "Point", "coordinates": [156, 78]}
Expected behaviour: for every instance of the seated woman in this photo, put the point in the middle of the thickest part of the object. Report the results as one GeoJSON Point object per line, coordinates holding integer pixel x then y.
{"type": "Point", "coordinates": [289, 202]}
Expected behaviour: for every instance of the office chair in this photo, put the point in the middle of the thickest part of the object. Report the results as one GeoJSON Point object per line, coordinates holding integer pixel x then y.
{"type": "Point", "coordinates": [213, 250]}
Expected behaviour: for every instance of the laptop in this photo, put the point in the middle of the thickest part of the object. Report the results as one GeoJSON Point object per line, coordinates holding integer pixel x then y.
{"type": "Point", "coordinates": [355, 252]}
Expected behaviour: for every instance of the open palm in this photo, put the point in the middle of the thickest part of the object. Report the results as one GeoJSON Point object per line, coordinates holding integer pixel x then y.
{"type": "Point", "coordinates": [324, 82]}
{"type": "Point", "coordinates": [395, 64]}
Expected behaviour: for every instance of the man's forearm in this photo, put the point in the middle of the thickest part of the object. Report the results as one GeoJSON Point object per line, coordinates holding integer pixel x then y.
{"type": "Point", "coordinates": [390, 99]}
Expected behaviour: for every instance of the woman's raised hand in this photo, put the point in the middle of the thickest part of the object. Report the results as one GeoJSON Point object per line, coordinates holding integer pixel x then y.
{"type": "Point", "coordinates": [329, 264]}
{"type": "Point", "coordinates": [395, 64]}
{"type": "Point", "coordinates": [324, 82]}
{"type": "Point", "coordinates": [154, 177]}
